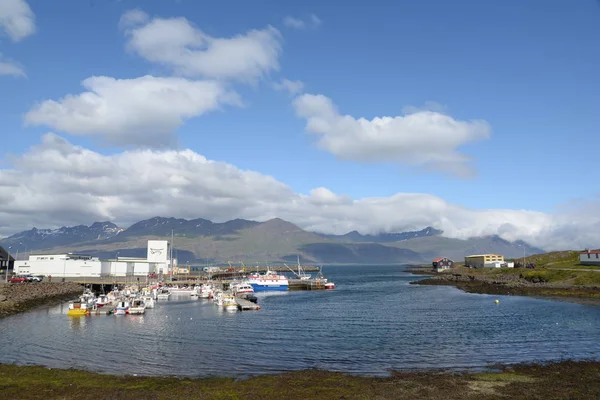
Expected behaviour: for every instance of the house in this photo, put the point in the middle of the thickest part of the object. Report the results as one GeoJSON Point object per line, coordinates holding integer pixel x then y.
{"type": "Point", "coordinates": [589, 257]}
{"type": "Point", "coordinates": [484, 260]}
{"type": "Point", "coordinates": [6, 260]}
{"type": "Point", "coordinates": [442, 263]}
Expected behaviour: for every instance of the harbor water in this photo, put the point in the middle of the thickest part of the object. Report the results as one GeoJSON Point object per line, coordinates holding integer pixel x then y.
{"type": "Point", "coordinates": [373, 322]}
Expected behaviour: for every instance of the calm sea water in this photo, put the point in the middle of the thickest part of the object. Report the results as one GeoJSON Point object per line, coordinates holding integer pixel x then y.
{"type": "Point", "coordinates": [373, 322]}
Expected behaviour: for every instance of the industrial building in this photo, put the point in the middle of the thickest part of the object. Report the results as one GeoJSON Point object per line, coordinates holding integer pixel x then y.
{"type": "Point", "coordinates": [589, 257]}
{"type": "Point", "coordinates": [486, 260]}
{"type": "Point", "coordinates": [73, 265]}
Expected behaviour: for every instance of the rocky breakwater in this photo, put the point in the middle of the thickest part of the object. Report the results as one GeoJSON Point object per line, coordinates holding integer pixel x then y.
{"type": "Point", "coordinates": [21, 297]}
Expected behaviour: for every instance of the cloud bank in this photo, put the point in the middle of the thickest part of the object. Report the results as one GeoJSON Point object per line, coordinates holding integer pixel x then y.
{"type": "Point", "coordinates": [57, 183]}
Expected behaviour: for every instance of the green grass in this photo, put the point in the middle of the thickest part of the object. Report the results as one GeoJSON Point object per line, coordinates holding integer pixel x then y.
{"type": "Point", "coordinates": [548, 275]}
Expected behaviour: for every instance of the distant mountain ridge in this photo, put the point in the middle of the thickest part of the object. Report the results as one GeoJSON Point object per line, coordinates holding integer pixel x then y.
{"type": "Point", "coordinates": [356, 237]}
{"type": "Point", "coordinates": [47, 238]}
{"type": "Point", "coordinates": [201, 241]}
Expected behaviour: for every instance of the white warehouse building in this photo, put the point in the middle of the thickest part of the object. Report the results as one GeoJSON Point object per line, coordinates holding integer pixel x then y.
{"type": "Point", "coordinates": [72, 265]}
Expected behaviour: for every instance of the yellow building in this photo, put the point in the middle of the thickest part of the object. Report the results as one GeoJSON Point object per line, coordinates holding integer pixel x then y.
{"type": "Point", "coordinates": [483, 260]}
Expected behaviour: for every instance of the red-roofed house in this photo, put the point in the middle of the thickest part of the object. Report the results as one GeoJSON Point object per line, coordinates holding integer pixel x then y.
{"type": "Point", "coordinates": [589, 257]}
{"type": "Point", "coordinates": [442, 263]}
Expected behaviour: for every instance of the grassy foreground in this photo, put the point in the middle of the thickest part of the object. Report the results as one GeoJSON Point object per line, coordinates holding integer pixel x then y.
{"type": "Point", "coordinates": [567, 379]}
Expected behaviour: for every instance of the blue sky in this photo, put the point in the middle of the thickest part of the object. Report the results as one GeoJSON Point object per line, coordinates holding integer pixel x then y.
{"type": "Point", "coordinates": [529, 69]}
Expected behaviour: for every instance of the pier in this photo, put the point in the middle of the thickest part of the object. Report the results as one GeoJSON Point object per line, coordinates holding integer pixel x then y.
{"type": "Point", "coordinates": [306, 284]}
{"type": "Point", "coordinates": [244, 305]}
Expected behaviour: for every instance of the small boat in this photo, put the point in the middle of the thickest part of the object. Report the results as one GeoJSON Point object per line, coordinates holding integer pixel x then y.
{"type": "Point", "coordinates": [78, 309]}
{"type": "Point", "coordinates": [137, 307]}
{"type": "Point", "coordinates": [102, 300]}
{"type": "Point", "coordinates": [206, 291]}
{"type": "Point", "coordinates": [149, 301]}
{"type": "Point", "coordinates": [163, 294]}
{"type": "Point", "coordinates": [330, 285]}
{"type": "Point", "coordinates": [242, 288]}
{"type": "Point", "coordinates": [229, 303]}
{"type": "Point", "coordinates": [122, 308]}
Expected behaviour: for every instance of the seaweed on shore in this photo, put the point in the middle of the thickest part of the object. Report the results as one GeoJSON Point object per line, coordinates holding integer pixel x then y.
{"type": "Point", "coordinates": [559, 380]}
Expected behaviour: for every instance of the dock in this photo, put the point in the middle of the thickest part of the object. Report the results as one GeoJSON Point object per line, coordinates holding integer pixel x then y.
{"type": "Point", "coordinates": [106, 310]}
{"type": "Point", "coordinates": [244, 305]}
{"type": "Point", "coordinates": [306, 284]}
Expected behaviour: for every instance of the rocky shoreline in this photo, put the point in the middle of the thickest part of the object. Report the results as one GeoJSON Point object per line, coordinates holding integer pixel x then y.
{"type": "Point", "coordinates": [509, 284]}
{"type": "Point", "coordinates": [21, 297]}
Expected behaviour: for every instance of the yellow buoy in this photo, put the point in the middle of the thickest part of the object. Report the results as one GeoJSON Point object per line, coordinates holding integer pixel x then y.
{"type": "Point", "coordinates": [497, 301]}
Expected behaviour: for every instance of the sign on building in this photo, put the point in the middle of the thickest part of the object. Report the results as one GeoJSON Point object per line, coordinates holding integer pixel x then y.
{"type": "Point", "coordinates": [158, 251]}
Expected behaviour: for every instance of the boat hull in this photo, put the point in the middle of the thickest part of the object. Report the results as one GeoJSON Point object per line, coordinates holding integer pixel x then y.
{"type": "Point", "coordinates": [78, 312]}
{"type": "Point", "coordinates": [269, 288]}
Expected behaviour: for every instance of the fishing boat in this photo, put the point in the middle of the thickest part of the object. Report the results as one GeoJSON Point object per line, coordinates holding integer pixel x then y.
{"type": "Point", "coordinates": [122, 308]}
{"type": "Point", "coordinates": [149, 301]}
{"type": "Point", "coordinates": [206, 291]}
{"type": "Point", "coordinates": [330, 285]}
{"type": "Point", "coordinates": [268, 281]}
{"type": "Point", "coordinates": [228, 302]}
{"type": "Point", "coordinates": [137, 307]}
{"type": "Point", "coordinates": [242, 288]}
{"type": "Point", "coordinates": [78, 309]}
{"type": "Point", "coordinates": [163, 294]}
{"type": "Point", "coordinates": [102, 300]}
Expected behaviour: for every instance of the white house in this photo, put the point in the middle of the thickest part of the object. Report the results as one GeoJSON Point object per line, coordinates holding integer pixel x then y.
{"type": "Point", "coordinates": [73, 265]}
{"type": "Point", "coordinates": [589, 257]}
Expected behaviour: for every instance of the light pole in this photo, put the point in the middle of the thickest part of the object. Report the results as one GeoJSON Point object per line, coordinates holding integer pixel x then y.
{"type": "Point", "coordinates": [7, 264]}
{"type": "Point", "coordinates": [64, 267]}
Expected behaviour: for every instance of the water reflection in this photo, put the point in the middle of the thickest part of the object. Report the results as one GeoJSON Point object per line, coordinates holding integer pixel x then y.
{"type": "Point", "coordinates": [77, 323]}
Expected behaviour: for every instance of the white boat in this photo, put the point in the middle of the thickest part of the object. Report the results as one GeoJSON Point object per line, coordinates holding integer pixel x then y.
{"type": "Point", "coordinates": [122, 308]}
{"type": "Point", "coordinates": [184, 291]}
{"type": "Point", "coordinates": [149, 302]}
{"type": "Point", "coordinates": [218, 297]}
{"type": "Point", "coordinates": [268, 281]}
{"type": "Point", "coordinates": [206, 291]}
{"type": "Point", "coordinates": [102, 300]}
{"type": "Point", "coordinates": [242, 288]}
{"type": "Point", "coordinates": [228, 303]}
{"type": "Point", "coordinates": [137, 307]}
{"type": "Point", "coordinates": [163, 294]}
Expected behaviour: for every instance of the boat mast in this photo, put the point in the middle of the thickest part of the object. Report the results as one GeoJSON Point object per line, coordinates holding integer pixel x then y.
{"type": "Point", "coordinates": [171, 256]}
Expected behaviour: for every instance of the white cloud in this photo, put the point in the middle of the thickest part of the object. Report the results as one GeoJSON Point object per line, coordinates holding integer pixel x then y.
{"type": "Point", "coordinates": [17, 19]}
{"type": "Point", "coordinates": [424, 139]}
{"type": "Point", "coordinates": [177, 44]}
{"type": "Point", "coordinates": [8, 67]}
{"type": "Point", "coordinates": [57, 183]}
{"type": "Point", "coordinates": [292, 22]}
{"type": "Point", "coordinates": [141, 111]}
{"type": "Point", "coordinates": [292, 87]}
{"type": "Point", "coordinates": [132, 18]}
{"type": "Point", "coordinates": [298, 23]}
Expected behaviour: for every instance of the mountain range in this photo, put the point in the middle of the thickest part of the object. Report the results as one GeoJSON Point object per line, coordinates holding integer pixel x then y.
{"type": "Point", "coordinates": [200, 241]}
